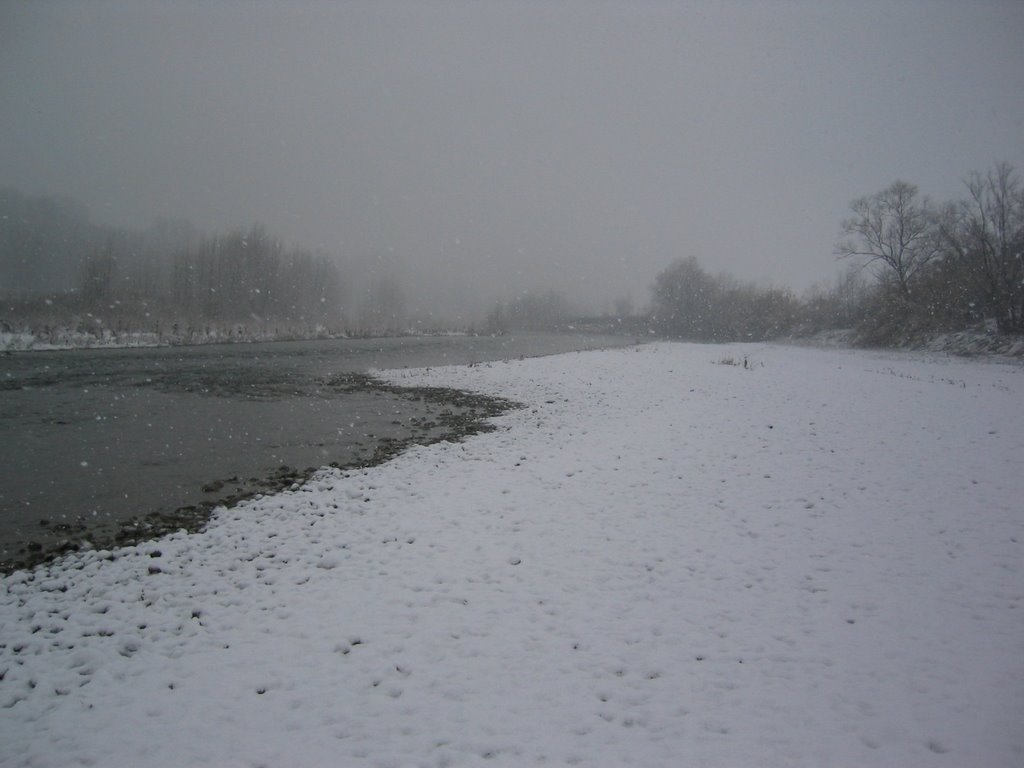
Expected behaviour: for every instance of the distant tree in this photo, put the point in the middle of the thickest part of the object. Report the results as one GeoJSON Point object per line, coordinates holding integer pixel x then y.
{"type": "Point", "coordinates": [851, 294]}
{"type": "Point", "coordinates": [624, 307]}
{"type": "Point", "coordinates": [842, 304]}
{"type": "Point", "coordinates": [947, 298]}
{"type": "Point", "coordinates": [688, 303]}
{"type": "Point", "coordinates": [984, 236]}
{"type": "Point", "coordinates": [754, 314]}
{"type": "Point", "coordinates": [548, 311]}
{"type": "Point", "coordinates": [55, 265]}
{"type": "Point", "coordinates": [97, 278]}
{"type": "Point", "coordinates": [309, 288]}
{"type": "Point", "coordinates": [894, 230]}
{"type": "Point", "coordinates": [183, 279]}
{"type": "Point", "coordinates": [684, 301]}
{"type": "Point", "coordinates": [384, 306]}
{"type": "Point", "coordinates": [496, 323]}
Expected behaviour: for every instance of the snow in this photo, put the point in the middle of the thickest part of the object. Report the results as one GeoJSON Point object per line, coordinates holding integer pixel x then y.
{"type": "Point", "coordinates": [665, 558]}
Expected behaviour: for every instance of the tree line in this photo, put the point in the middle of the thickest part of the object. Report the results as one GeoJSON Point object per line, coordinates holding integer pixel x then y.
{"type": "Point", "coordinates": [549, 311]}
{"type": "Point", "coordinates": [916, 267]}
{"type": "Point", "coordinates": [59, 271]}
{"type": "Point", "coordinates": [942, 266]}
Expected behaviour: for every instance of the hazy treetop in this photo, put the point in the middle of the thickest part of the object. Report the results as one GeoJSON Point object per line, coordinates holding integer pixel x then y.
{"type": "Point", "coordinates": [570, 145]}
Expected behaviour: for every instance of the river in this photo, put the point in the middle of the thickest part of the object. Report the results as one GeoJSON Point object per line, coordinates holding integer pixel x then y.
{"type": "Point", "coordinates": [91, 438]}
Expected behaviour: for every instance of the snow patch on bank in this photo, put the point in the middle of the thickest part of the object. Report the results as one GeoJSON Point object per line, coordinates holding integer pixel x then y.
{"type": "Point", "coordinates": [660, 560]}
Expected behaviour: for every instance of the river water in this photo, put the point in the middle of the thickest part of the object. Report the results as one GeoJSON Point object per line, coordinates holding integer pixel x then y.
{"type": "Point", "coordinates": [92, 437]}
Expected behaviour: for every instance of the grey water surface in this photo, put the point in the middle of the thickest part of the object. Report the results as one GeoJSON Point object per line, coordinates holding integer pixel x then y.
{"type": "Point", "coordinates": [92, 437]}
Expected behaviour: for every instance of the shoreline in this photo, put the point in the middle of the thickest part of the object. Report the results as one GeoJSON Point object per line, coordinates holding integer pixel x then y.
{"type": "Point", "coordinates": [15, 342]}
{"type": "Point", "coordinates": [224, 455]}
{"type": "Point", "coordinates": [661, 553]}
{"type": "Point", "coordinates": [464, 414]}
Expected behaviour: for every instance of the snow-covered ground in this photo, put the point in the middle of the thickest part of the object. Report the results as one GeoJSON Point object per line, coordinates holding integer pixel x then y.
{"type": "Point", "coordinates": [662, 560]}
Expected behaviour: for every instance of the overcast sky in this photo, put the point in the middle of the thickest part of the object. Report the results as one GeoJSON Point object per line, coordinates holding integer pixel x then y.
{"type": "Point", "coordinates": [512, 145]}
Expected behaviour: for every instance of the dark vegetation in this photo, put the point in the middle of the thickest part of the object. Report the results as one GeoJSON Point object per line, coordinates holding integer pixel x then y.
{"type": "Point", "coordinates": [916, 268]}
{"type": "Point", "coordinates": [62, 276]}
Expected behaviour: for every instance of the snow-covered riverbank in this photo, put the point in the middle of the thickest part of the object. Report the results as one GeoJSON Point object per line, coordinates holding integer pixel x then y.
{"type": "Point", "coordinates": [64, 338]}
{"type": "Point", "coordinates": [663, 559]}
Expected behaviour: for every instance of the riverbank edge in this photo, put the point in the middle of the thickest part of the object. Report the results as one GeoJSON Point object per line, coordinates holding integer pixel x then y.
{"type": "Point", "coordinates": [464, 414]}
{"type": "Point", "coordinates": [64, 339]}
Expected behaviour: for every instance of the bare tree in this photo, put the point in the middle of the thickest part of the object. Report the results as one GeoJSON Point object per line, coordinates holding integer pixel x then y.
{"type": "Point", "coordinates": [384, 306]}
{"type": "Point", "coordinates": [685, 300]}
{"type": "Point", "coordinates": [984, 234]}
{"type": "Point", "coordinates": [689, 303]}
{"type": "Point", "coordinates": [549, 311]}
{"type": "Point", "coordinates": [97, 278]}
{"type": "Point", "coordinates": [895, 230]}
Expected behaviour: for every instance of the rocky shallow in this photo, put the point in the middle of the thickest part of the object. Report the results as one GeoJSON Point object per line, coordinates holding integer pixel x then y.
{"type": "Point", "coordinates": [451, 415]}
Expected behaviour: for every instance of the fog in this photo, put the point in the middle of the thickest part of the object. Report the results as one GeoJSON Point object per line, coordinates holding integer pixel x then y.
{"type": "Point", "coordinates": [484, 149]}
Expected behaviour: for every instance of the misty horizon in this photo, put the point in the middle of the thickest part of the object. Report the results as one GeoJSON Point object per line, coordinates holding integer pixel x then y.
{"type": "Point", "coordinates": [488, 151]}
